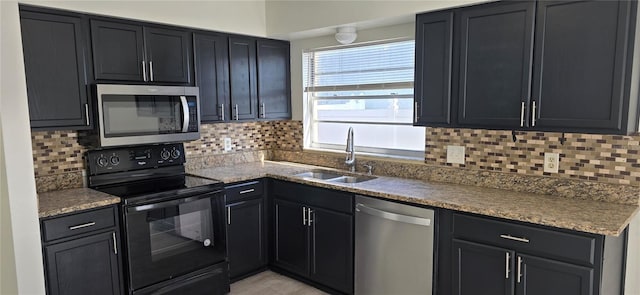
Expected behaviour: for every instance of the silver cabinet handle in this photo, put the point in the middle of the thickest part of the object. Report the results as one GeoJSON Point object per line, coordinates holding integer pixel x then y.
{"type": "Point", "coordinates": [144, 71]}
{"type": "Point", "coordinates": [519, 269]}
{"type": "Point", "coordinates": [115, 245]}
{"type": "Point", "coordinates": [222, 112]}
{"type": "Point", "coordinates": [79, 226]}
{"type": "Point", "coordinates": [310, 220]}
{"type": "Point", "coordinates": [236, 111]}
{"type": "Point", "coordinates": [510, 237]}
{"type": "Point", "coordinates": [533, 114]}
{"type": "Point", "coordinates": [506, 265]}
{"type": "Point", "coordinates": [522, 114]}
{"type": "Point", "coordinates": [228, 214]}
{"type": "Point", "coordinates": [393, 216]}
{"type": "Point", "coordinates": [304, 215]}
{"type": "Point", "coordinates": [247, 191]}
{"type": "Point", "coordinates": [263, 114]}
{"type": "Point", "coordinates": [151, 71]}
{"type": "Point", "coordinates": [86, 113]}
{"type": "Point", "coordinates": [415, 111]}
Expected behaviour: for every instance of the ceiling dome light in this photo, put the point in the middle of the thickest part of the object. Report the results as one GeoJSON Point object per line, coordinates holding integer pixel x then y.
{"type": "Point", "coordinates": [346, 35]}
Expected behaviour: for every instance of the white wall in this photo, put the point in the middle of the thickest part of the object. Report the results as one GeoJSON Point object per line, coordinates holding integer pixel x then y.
{"type": "Point", "coordinates": [632, 279]}
{"type": "Point", "coordinates": [287, 18]}
{"type": "Point", "coordinates": [243, 17]}
{"type": "Point", "coordinates": [21, 237]}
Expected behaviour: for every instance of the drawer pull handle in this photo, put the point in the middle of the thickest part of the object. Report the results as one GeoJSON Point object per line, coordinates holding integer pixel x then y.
{"type": "Point", "coordinates": [79, 226]}
{"type": "Point", "coordinates": [247, 191]}
{"type": "Point", "coordinates": [509, 237]}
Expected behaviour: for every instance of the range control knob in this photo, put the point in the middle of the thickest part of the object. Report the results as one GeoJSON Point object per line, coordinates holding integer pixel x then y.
{"type": "Point", "coordinates": [175, 153]}
{"type": "Point", "coordinates": [165, 154]}
{"type": "Point", "coordinates": [102, 161]}
{"type": "Point", "coordinates": [115, 160]}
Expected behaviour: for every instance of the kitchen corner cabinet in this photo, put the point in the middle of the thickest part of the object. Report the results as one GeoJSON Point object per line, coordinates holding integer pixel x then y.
{"type": "Point", "coordinates": [57, 67]}
{"type": "Point", "coordinates": [490, 256]}
{"type": "Point", "coordinates": [82, 253]}
{"type": "Point", "coordinates": [313, 234]}
{"type": "Point", "coordinates": [211, 63]}
{"type": "Point", "coordinates": [274, 79]}
{"type": "Point", "coordinates": [133, 52]}
{"type": "Point", "coordinates": [246, 229]}
{"type": "Point", "coordinates": [243, 78]}
{"type": "Point", "coordinates": [575, 78]}
{"type": "Point", "coordinates": [434, 41]}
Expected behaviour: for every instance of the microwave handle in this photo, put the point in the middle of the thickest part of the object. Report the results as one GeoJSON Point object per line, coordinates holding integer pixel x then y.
{"type": "Point", "coordinates": [185, 114]}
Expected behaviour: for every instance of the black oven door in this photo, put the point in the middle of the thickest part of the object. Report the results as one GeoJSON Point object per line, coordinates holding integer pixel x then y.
{"type": "Point", "coordinates": [174, 237]}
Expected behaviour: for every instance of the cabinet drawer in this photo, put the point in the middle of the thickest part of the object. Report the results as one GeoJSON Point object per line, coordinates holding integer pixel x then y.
{"type": "Point", "coordinates": [245, 190]}
{"type": "Point", "coordinates": [78, 223]}
{"type": "Point", "coordinates": [313, 196]}
{"type": "Point", "coordinates": [548, 243]}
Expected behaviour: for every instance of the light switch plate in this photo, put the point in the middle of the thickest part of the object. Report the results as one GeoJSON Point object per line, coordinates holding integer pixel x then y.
{"type": "Point", "coordinates": [227, 144]}
{"type": "Point", "coordinates": [455, 154]}
{"type": "Point", "coordinates": [551, 162]}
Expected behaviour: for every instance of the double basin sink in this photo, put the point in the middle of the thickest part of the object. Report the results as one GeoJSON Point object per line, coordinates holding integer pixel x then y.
{"type": "Point", "coordinates": [333, 176]}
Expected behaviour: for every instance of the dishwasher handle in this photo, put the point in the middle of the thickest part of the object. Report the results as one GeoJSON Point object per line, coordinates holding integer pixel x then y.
{"type": "Point", "coordinates": [393, 216]}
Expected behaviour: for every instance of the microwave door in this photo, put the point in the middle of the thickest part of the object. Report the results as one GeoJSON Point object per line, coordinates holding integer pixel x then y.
{"type": "Point", "coordinates": [185, 114]}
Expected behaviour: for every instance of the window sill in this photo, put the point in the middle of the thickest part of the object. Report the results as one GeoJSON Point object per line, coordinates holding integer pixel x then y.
{"type": "Point", "coordinates": [373, 156]}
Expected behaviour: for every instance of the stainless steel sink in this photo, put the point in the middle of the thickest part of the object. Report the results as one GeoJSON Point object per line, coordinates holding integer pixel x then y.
{"type": "Point", "coordinates": [333, 176]}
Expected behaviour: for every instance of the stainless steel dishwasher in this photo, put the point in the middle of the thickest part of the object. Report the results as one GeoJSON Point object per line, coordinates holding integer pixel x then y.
{"type": "Point", "coordinates": [394, 248]}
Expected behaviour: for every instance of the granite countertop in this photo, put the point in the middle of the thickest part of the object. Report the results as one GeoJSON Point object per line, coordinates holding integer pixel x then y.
{"type": "Point", "coordinates": [71, 200]}
{"type": "Point", "coordinates": [580, 215]}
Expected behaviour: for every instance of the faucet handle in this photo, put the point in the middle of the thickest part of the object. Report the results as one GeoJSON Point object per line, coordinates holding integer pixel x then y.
{"type": "Point", "coordinates": [369, 168]}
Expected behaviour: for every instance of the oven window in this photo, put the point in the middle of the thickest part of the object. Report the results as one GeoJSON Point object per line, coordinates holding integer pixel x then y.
{"type": "Point", "coordinates": [127, 115]}
{"type": "Point", "coordinates": [173, 233]}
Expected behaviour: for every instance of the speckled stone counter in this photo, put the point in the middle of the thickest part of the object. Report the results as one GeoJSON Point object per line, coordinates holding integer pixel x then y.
{"type": "Point", "coordinates": [581, 215]}
{"type": "Point", "coordinates": [71, 200]}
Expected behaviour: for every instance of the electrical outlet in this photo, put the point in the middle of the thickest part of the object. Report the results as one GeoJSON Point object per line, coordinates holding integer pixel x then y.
{"type": "Point", "coordinates": [227, 144]}
{"type": "Point", "coordinates": [455, 154]}
{"type": "Point", "coordinates": [551, 162]}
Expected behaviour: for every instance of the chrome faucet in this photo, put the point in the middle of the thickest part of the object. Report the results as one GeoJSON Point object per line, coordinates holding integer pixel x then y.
{"type": "Point", "coordinates": [351, 151]}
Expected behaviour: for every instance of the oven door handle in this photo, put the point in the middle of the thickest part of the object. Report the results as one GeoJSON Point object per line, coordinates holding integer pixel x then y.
{"type": "Point", "coordinates": [185, 114]}
{"type": "Point", "coordinates": [171, 203]}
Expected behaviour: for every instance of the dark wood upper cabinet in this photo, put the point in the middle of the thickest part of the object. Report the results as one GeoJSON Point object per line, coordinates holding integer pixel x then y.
{"type": "Point", "coordinates": [211, 60]}
{"type": "Point", "coordinates": [582, 64]}
{"type": "Point", "coordinates": [274, 79]}
{"type": "Point", "coordinates": [243, 78]}
{"type": "Point", "coordinates": [133, 52]}
{"type": "Point", "coordinates": [496, 47]}
{"type": "Point", "coordinates": [432, 85]}
{"type": "Point", "coordinates": [57, 68]}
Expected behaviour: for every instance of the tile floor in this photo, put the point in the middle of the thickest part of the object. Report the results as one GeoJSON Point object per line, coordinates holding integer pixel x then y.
{"type": "Point", "coordinates": [271, 283]}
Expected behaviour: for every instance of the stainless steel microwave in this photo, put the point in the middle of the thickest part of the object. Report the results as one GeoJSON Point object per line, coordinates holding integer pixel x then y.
{"type": "Point", "coordinates": [143, 114]}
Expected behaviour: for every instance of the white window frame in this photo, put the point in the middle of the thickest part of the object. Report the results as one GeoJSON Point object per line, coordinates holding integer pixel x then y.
{"type": "Point", "coordinates": [311, 118]}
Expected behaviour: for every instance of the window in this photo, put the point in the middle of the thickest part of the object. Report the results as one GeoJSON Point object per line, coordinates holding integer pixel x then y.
{"type": "Point", "coordinates": [367, 87]}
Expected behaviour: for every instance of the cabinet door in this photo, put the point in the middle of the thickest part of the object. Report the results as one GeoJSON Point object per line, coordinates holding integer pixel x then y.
{"type": "Point", "coordinates": [580, 60]}
{"type": "Point", "coordinates": [56, 63]}
{"type": "Point", "coordinates": [291, 237]}
{"type": "Point", "coordinates": [242, 72]}
{"type": "Point", "coordinates": [433, 69]}
{"type": "Point", "coordinates": [495, 64]}
{"type": "Point", "coordinates": [167, 52]}
{"type": "Point", "coordinates": [245, 237]}
{"type": "Point", "coordinates": [332, 249]}
{"type": "Point", "coordinates": [86, 265]}
{"type": "Point", "coordinates": [212, 76]}
{"type": "Point", "coordinates": [118, 51]}
{"type": "Point", "coordinates": [482, 269]}
{"type": "Point", "coordinates": [274, 79]}
{"type": "Point", "coordinates": [548, 277]}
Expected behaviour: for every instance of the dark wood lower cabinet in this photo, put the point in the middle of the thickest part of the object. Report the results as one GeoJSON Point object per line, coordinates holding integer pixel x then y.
{"type": "Point", "coordinates": [87, 265]}
{"type": "Point", "coordinates": [245, 237]}
{"type": "Point", "coordinates": [482, 269]}
{"type": "Point", "coordinates": [548, 277]}
{"type": "Point", "coordinates": [291, 237]}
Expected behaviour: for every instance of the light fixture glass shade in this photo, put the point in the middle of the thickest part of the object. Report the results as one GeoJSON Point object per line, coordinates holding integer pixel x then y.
{"type": "Point", "coordinates": [346, 35]}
